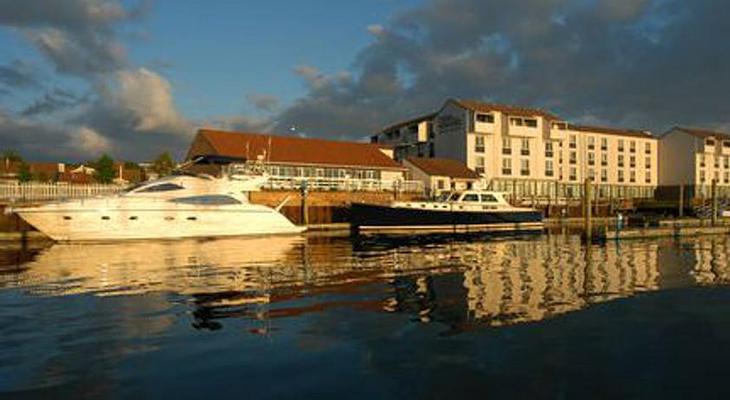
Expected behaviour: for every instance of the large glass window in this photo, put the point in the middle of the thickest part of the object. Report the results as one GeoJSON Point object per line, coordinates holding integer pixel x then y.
{"type": "Point", "coordinates": [163, 187]}
{"type": "Point", "coordinates": [207, 200]}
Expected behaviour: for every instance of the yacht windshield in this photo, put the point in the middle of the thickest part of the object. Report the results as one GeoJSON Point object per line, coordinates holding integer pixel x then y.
{"type": "Point", "coordinates": [163, 187]}
{"type": "Point", "coordinates": [455, 196]}
{"type": "Point", "coordinates": [207, 200]}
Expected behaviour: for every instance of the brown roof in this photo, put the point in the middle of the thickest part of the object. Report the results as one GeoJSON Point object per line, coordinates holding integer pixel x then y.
{"type": "Point", "coordinates": [443, 167]}
{"type": "Point", "coordinates": [420, 119]}
{"type": "Point", "coordinates": [612, 131]}
{"type": "Point", "coordinates": [506, 109]}
{"type": "Point", "coordinates": [703, 133]}
{"type": "Point", "coordinates": [295, 150]}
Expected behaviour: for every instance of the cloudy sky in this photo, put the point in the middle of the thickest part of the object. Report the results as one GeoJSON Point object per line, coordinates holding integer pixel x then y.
{"type": "Point", "coordinates": [136, 77]}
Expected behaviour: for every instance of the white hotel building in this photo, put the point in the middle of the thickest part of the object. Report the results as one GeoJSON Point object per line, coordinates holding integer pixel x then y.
{"type": "Point", "coordinates": [530, 152]}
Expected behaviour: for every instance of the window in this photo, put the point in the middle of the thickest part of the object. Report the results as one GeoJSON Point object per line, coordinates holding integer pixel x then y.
{"type": "Point", "coordinates": [632, 146]}
{"type": "Point", "coordinates": [726, 162]}
{"type": "Point", "coordinates": [506, 146]}
{"type": "Point", "coordinates": [647, 177]}
{"type": "Point", "coordinates": [604, 175]}
{"type": "Point", "coordinates": [620, 175]}
{"type": "Point", "coordinates": [471, 197]}
{"type": "Point", "coordinates": [726, 177]}
{"type": "Point", "coordinates": [573, 174]}
{"type": "Point", "coordinates": [592, 174]}
{"type": "Point", "coordinates": [207, 200]}
{"type": "Point", "coordinates": [647, 148]}
{"type": "Point", "coordinates": [632, 161]}
{"type": "Point", "coordinates": [549, 149]}
{"type": "Point", "coordinates": [525, 150]}
{"type": "Point", "coordinates": [559, 125]}
{"type": "Point", "coordinates": [479, 144]}
{"type": "Point", "coordinates": [632, 176]}
{"type": "Point", "coordinates": [573, 157]}
{"type": "Point", "coordinates": [620, 160]}
{"type": "Point", "coordinates": [441, 184]}
{"type": "Point", "coordinates": [532, 123]}
{"type": "Point", "coordinates": [515, 121]}
{"type": "Point", "coordinates": [620, 145]}
{"type": "Point", "coordinates": [573, 141]}
{"type": "Point", "coordinates": [524, 167]}
{"type": "Point", "coordinates": [164, 187]}
{"type": "Point", "coordinates": [604, 159]}
{"type": "Point", "coordinates": [710, 142]}
{"type": "Point", "coordinates": [702, 160]}
{"type": "Point", "coordinates": [591, 159]}
{"type": "Point", "coordinates": [486, 118]}
{"type": "Point", "coordinates": [488, 198]}
{"type": "Point", "coordinates": [702, 176]}
{"type": "Point", "coordinates": [479, 167]}
{"type": "Point", "coordinates": [716, 162]}
{"type": "Point", "coordinates": [549, 168]}
{"type": "Point", "coordinates": [506, 166]}
{"type": "Point", "coordinates": [591, 143]}
{"type": "Point", "coordinates": [604, 144]}
{"type": "Point", "coordinates": [726, 143]}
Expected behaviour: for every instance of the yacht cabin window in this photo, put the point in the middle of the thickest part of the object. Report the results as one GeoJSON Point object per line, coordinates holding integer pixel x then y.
{"type": "Point", "coordinates": [471, 197]}
{"type": "Point", "coordinates": [163, 187]}
{"type": "Point", "coordinates": [489, 198]}
{"type": "Point", "coordinates": [207, 200]}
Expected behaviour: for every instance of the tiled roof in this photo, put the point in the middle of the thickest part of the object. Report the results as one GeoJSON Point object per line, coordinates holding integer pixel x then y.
{"type": "Point", "coordinates": [295, 150]}
{"type": "Point", "coordinates": [475, 105]}
{"type": "Point", "coordinates": [420, 119]}
{"type": "Point", "coordinates": [443, 167]}
{"type": "Point", "coordinates": [703, 133]}
{"type": "Point", "coordinates": [612, 131]}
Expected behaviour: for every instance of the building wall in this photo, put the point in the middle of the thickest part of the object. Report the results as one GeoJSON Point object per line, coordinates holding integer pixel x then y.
{"type": "Point", "coordinates": [450, 125]}
{"type": "Point", "coordinates": [678, 159]}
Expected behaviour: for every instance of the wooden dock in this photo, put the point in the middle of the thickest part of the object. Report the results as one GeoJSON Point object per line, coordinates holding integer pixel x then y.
{"type": "Point", "coordinates": [663, 231]}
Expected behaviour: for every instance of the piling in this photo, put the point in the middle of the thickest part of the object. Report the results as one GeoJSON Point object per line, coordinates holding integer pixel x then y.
{"type": "Point", "coordinates": [680, 211]}
{"type": "Point", "coordinates": [714, 202]}
{"type": "Point", "coordinates": [587, 220]}
{"type": "Point", "coordinates": [304, 205]}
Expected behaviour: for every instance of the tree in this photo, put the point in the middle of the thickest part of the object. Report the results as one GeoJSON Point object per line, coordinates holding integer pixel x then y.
{"type": "Point", "coordinates": [24, 174]}
{"type": "Point", "coordinates": [104, 166]}
{"type": "Point", "coordinates": [12, 155]}
{"type": "Point", "coordinates": [163, 164]}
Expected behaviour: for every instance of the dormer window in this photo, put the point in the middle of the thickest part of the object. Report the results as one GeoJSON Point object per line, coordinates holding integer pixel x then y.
{"type": "Point", "coordinates": [529, 122]}
{"type": "Point", "coordinates": [485, 118]}
{"type": "Point", "coordinates": [709, 142]}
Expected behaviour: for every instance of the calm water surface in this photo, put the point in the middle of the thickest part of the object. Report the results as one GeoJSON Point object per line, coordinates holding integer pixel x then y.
{"type": "Point", "coordinates": [329, 317]}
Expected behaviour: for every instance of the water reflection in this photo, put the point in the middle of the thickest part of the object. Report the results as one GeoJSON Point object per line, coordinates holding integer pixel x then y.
{"type": "Point", "coordinates": [460, 283]}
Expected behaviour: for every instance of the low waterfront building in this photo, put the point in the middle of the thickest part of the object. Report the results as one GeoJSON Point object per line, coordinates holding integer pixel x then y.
{"type": "Point", "coordinates": [291, 160]}
{"type": "Point", "coordinates": [442, 174]}
{"type": "Point", "coordinates": [530, 152]}
{"type": "Point", "coordinates": [695, 157]}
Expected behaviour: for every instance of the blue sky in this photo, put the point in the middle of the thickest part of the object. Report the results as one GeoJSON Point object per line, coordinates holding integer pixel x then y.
{"type": "Point", "coordinates": [134, 78]}
{"type": "Point", "coordinates": [218, 52]}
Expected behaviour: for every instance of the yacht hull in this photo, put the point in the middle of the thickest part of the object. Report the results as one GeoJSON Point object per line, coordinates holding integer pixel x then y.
{"type": "Point", "coordinates": [66, 223]}
{"type": "Point", "coordinates": [379, 218]}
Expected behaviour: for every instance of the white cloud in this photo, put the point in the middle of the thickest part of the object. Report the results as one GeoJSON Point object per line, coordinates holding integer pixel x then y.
{"type": "Point", "coordinates": [147, 97]}
{"type": "Point", "coordinates": [91, 141]}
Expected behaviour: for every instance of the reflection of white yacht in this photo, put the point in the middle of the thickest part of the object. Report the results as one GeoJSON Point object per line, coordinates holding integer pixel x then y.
{"type": "Point", "coordinates": [178, 206]}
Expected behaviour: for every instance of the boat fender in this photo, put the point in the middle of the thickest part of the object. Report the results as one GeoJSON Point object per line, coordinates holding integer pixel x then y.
{"type": "Point", "coordinates": [283, 202]}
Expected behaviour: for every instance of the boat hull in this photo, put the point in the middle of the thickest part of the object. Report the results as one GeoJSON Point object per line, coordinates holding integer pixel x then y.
{"type": "Point", "coordinates": [66, 223]}
{"type": "Point", "coordinates": [379, 218]}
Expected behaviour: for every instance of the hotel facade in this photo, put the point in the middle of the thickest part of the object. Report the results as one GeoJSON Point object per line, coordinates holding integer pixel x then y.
{"type": "Point", "coordinates": [695, 158]}
{"type": "Point", "coordinates": [530, 152]}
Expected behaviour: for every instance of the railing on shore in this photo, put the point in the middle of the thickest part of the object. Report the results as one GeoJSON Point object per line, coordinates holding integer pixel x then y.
{"type": "Point", "coordinates": [342, 184]}
{"type": "Point", "coordinates": [35, 191]}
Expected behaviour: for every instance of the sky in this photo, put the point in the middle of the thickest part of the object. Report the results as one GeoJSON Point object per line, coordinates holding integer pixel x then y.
{"type": "Point", "coordinates": [133, 78]}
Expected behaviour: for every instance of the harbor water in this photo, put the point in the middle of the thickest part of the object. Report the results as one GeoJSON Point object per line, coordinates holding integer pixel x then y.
{"type": "Point", "coordinates": [335, 317]}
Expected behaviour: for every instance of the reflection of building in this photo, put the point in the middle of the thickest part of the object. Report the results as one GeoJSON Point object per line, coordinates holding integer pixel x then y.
{"type": "Point", "coordinates": [531, 152]}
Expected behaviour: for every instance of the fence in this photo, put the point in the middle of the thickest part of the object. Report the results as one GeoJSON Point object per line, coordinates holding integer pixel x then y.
{"type": "Point", "coordinates": [343, 184]}
{"type": "Point", "coordinates": [34, 191]}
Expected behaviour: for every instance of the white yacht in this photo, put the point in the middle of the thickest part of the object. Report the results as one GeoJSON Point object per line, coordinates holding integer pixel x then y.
{"type": "Point", "coordinates": [174, 207]}
{"type": "Point", "coordinates": [467, 211]}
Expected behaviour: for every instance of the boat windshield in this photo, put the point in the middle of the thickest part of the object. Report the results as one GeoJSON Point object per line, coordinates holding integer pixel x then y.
{"type": "Point", "coordinates": [454, 196]}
